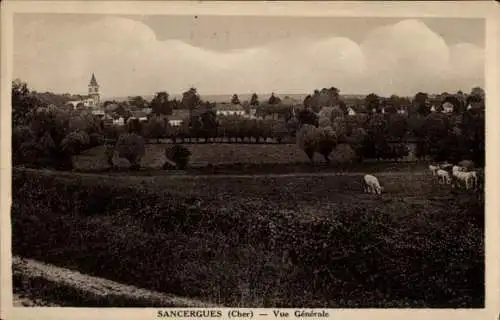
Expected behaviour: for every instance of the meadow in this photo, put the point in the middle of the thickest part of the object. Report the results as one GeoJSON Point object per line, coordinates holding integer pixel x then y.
{"type": "Point", "coordinates": [288, 241]}
{"type": "Point", "coordinates": [237, 158]}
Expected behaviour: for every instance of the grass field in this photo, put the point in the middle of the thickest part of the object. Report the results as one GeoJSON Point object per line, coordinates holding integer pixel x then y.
{"type": "Point", "coordinates": [217, 154]}
{"type": "Point", "coordinates": [260, 241]}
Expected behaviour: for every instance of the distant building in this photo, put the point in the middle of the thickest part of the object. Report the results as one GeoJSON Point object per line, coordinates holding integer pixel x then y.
{"type": "Point", "coordinates": [93, 98]}
{"type": "Point", "coordinates": [140, 115]}
{"type": "Point", "coordinates": [175, 122]}
{"type": "Point", "coordinates": [119, 122]}
{"type": "Point", "coordinates": [253, 114]}
{"type": "Point", "coordinates": [447, 107]}
{"type": "Point", "coordinates": [226, 109]}
{"type": "Point", "coordinates": [94, 91]}
{"type": "Point", "coordinates": [99, 113]}
{"type": "Point", "coordinates": [178, 117]}
{"type": "Point", "coordinates": [351, 111]}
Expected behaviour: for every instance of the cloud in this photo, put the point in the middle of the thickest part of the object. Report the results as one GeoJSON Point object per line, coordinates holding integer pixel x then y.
{"type": "Point", "coordinates": [127, 58]}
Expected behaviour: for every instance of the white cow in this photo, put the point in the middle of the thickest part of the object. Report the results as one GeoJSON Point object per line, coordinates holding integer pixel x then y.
{"type": "Point", "coordinates": [458, 169]}
{"type": "Point", "coordinates": [443, 176]}
{"type": "Point", "coordinates": [469, 178]}
{"type": "Point", "coordinates": [445, 166]}
{"type": "Point", "coordinates": [433, 169]}
{"type": "Point", "coordinates": [371, 184]}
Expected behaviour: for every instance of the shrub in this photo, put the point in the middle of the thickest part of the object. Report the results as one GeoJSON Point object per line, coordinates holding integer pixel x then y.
{"type": "Point", "coordinates": [320, 140]}
{"type": "Point", "coordinates": [179, 155]}
{"type": "Point", "coordinates": [20, 136]}
{"type": "Point", "coordinates": [131, 146]}
{"type": "Point", "coordinates": [155, 128]}
{"type": "Point", "coordinates": [75, 142]}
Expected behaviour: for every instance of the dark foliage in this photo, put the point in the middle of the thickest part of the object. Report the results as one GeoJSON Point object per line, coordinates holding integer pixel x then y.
{"type": "Point", "coordinates": [428, 255]}
{"type": "Point", "coordinates": [179, 155]}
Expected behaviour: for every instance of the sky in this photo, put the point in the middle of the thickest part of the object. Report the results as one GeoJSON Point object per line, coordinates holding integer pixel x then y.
{"type": "Point", "coordinates": [140, 55]}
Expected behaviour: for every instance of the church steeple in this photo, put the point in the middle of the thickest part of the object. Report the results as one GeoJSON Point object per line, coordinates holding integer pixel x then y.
{"type": "Point", "coordinates": [93, 81]}
{"type": "Point", "coordinates": [94, 90]}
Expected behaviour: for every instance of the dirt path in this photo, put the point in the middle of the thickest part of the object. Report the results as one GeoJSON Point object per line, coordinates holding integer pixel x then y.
{"type": "Point", "coordinates": [41, 284]}
{"type": "Point", "coordinates": [26, 299]}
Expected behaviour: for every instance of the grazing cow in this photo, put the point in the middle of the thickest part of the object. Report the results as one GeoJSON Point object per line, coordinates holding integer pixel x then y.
{"type": "Point", "coordinates": [458, 169]}
{"type": "Point", "coordinates": [433, 169]}
{"type": "Point", "coordinates": [371, 184]}
{"type": "Point", "coordinates": [443, 176]}
{"type": "Point", "coordinates": [445, 166]}
{"type": "Point", "coordinates": [469, 178]}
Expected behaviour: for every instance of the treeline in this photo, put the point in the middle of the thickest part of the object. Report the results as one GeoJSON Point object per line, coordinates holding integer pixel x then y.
{"type": "Point", "coordinates": [48, 136]}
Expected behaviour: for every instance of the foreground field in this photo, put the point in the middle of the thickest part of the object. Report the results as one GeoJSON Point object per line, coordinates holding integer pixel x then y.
{"type": "Point", "coordinates": [260, 241]}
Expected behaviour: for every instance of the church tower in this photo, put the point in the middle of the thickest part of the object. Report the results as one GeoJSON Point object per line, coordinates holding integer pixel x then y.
{"type": "Point", "coordinates": [94, 91]}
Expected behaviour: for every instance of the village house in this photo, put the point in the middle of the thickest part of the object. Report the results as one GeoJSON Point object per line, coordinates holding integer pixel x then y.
{"type": "Point", "coordinates": [447, 107]}
{"type": "Point", "coordinates": [178, 117]}
{"type": "Point", "coordinates": [227, 109]}
{"type": "Point", "coordinates": [139, 115]}
{"type": "Point", "coordinates": [120, 121]}
{"type": "Point", "coordinates": [253, 113]}
{"type": "Point", "coordinates": [401, 110]}
{"type": "Point", "coordinates": [99, 113]}
{"type": "Point", "coordinates": [350, 111]}
{"type": "Point", "coordinates": [330, 112]}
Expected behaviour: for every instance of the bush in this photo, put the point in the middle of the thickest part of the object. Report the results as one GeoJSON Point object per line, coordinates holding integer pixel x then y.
{"type": "Point", "coordinates": [179, 155]}
{"type": "Point", "coordinates": [131, 146]}
{"type": "Point", "coordinates": [155, 128]}
{"type": "Point", "coordinates": [20, 135]}
{"type": "Point", "coordinates": [321, 140]}
{"type": "Point", "coordinates": [75, 142]}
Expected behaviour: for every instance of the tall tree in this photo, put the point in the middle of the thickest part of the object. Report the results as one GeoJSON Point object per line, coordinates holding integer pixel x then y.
{"type": "Point", "coordinates": [307, 116]}
{"type": "Point", "coordinates": [235, 99]}
{"type": "Point", "coordinates": [138, 101]}
{"type": "Point", "coordinates": [23, 103]}
{"type": "Point", "coordinates": [334, 94]}
{"type": "Point", "coordinates": [191, 99]}
{"type": "Point", "coordinates": [372, 103]}
{"type": "Point", "coordinates": [477, 98]}
{"type": "Point", "coordinates": [478, 92]}
{"type": "Point", "coordinates": [254, 100]}
{"type": "Point", "coordinates": [343, 106]}
{"type": "Point", "coordinates": [273, 99]}
{"type": "Point", "coordinates": [209, 123]}
{"type": "Point", "coordinates": [421, 103]}
{"type": "Point", "coordinates": [160, 104]}
{"type": "Point", "coordinates": [437, 129]}
{"type": "Point", "coordinates": [308, 102]}
{"type": "Point", "coordinates": [455, 101]}
{"type": "Point", "coordinates": [461, 96]}
{"type": "Point", "coordinates": [316, 101]}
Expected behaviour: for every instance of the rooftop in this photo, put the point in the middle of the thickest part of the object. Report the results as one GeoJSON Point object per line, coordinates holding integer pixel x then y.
{"type": "Point", "coordinates": [229, 107]}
